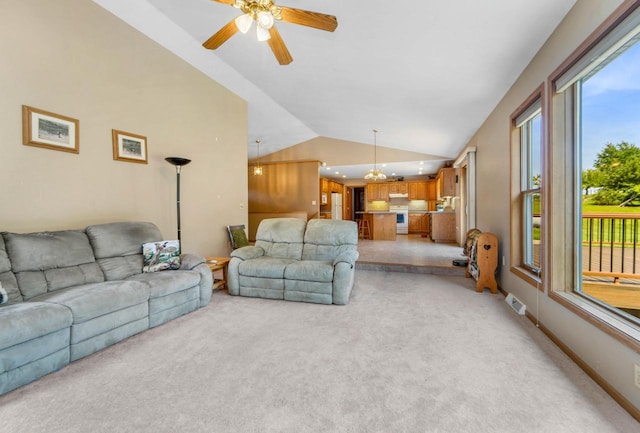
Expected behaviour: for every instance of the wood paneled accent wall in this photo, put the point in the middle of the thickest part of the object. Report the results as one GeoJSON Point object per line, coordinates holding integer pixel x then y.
{"type": "Point", "coordinates": [285, 187]}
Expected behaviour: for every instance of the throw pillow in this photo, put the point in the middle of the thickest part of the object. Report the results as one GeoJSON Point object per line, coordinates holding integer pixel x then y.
{"type": "Point", "coordinates": [240, 238]}
{"type": "Point", "coordinates": [3, 295]}
{"type": "Point", "coordinates": [160, 256]}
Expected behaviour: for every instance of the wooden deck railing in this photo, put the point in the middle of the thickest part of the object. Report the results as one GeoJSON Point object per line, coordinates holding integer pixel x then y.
{"type": "Point", "coordinates": [611, 254]}
{"type": "Point", "coordinates": [611, 245]}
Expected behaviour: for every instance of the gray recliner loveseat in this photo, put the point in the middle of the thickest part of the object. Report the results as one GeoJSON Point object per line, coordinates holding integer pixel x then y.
{"type": "Point", "coordinates": [297, 260]}
{"type": "Point", "coordinates": [74, 292]}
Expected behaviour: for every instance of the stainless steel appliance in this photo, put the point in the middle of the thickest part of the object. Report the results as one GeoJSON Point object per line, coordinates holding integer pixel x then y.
{"type": "Point", "coordinates": [402, 218]}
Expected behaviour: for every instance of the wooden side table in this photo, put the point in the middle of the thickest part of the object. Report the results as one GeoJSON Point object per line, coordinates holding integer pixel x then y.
{"type": "Point", "coordinates": [216, 264]}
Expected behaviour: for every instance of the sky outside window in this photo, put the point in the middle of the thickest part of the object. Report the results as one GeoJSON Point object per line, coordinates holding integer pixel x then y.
{"type": "Point", "coordinates": [611, 106]}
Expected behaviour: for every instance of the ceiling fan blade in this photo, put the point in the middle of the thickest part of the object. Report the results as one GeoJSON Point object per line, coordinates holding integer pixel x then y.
{"type": "Point", "coordinates": [309, 19]}
{"type": "Point", "coordinates": [226, 2]}
{"type": "Point", "coordinates": [221, 35]}
{"type": "Point", "coordinates": [278, 47]}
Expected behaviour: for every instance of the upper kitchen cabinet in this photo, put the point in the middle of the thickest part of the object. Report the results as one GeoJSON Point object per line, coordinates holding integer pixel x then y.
{"type": "Point", "coordinates": [327, 187]}
{"type": "Point", "coordinates": [398, 187]}
{"type": "Point", "coordinates": [432, 193]}
{"type": "Point", "coordinates": [446, 182]}
{"type": "Point", "coordinates": [418, 190]}
{"type": "Point", "coordinates": [324, 185]}
{"type": "Point", "coordinates": [377, 191]}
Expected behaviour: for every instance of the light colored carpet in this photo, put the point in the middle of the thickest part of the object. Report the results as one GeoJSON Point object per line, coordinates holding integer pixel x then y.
{"type": "Point", "coordinates": [410, 353]}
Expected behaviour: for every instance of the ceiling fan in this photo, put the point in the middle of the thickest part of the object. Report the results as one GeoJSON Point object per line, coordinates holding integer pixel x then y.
{"type": "Point", "coordinates": [264, 13]}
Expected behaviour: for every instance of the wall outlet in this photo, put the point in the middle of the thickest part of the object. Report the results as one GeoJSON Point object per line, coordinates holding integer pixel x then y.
{"type": "Point", "coordinates": [636, 375]}
{"type": "Point", "coordinates": [313, 202]}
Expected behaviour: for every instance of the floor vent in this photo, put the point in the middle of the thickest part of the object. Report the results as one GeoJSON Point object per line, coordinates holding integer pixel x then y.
{"type": "Point", "coordinates": [515, 303]}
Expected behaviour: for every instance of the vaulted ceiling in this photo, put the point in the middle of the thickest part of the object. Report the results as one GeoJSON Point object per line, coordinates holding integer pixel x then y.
{"type": "Point", "coordinates": [426, 74]}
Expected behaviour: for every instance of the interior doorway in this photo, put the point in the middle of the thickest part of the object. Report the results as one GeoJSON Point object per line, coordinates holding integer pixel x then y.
{"type": "Point", "coordinates": [464, 227]}
{"type": "Point", "coordinates": [357, 201]}
{"type": "Point", "coordinates": [466, 216]}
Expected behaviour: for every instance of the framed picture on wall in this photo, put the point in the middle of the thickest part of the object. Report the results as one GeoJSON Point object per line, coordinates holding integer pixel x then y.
{"type": "Point", "coordinates": [129, 147]}
{"type": "Point", "coordinates": [50, 130]}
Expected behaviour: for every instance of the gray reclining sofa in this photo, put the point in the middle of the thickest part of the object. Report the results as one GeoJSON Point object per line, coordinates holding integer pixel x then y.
{"type": "Point", "coordinates": [297, 260]}
{"type": "Point", "coordinates": [74, 292]}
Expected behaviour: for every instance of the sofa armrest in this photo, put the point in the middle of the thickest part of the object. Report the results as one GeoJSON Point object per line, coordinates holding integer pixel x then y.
{"type": "Point", "coordinates": [248, 253]}
{"type": "Point", "coordinates": [348, 257]}
{"type": "Point", "coordinates": [189, 261]}
{"type": "Point", "coordinates": [194, 262]}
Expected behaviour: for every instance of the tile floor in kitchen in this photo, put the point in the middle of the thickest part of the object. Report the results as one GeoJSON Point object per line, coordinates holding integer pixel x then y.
{"type": "Point", "coordinates": [411, 250]}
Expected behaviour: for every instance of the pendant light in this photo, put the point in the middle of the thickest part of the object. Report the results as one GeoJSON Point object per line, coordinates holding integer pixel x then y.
{"type": "Point", "coordinates": [375, 174]}
{"type": "Point", "coordinates": [257, 169]}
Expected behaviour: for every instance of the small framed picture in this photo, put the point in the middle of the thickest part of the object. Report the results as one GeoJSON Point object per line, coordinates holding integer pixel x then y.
{"type": "Point", "coordinates": [129, 147]}
{"type": "Point", "coordinates": [50, 130]}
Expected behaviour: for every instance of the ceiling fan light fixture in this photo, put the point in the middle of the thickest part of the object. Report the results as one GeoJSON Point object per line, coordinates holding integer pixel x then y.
{"type": "Point", "coordinates": [265, 12]}
{"type": "Point", "coordinates": [265, 19]}
{"type": "Point", "coordinates": [263, 34]}
{"type": "Point", "coordinates": [243, 22]}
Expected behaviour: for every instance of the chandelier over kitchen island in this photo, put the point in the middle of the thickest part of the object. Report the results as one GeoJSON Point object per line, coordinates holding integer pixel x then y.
{"type": "Point", "coordinates": [375, 174]}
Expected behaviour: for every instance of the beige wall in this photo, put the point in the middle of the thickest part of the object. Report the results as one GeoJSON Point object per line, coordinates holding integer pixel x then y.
{"type": "Point", "coordinates": [612, 360]}
{"type": "Point", "coordinates": [75, 58]}
{"type": "Point", "coordinates": [342, 152]}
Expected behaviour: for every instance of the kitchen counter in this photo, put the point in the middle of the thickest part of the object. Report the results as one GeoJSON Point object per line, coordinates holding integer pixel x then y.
{"type": "Point", "coordinates": [382, 225]}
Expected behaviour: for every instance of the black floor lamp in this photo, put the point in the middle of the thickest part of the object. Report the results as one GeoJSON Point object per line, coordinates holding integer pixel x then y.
{"type": "Point", "coordinates": [178, 162]}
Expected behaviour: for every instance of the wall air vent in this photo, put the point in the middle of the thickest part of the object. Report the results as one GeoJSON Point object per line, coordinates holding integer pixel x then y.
{"type": "Point", "coordinates": [515, 303]}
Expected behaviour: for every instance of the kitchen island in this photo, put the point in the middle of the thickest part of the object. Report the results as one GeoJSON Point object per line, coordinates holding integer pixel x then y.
{"type": "Point", "coordinates": [382, 225]}
{"type": "Point", "coordinates": [443, 226]}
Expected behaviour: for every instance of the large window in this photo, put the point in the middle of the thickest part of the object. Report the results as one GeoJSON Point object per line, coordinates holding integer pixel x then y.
{"type": "Point", "coordinates": [531, 171]}
{"type": "Point", "coordinates": [599, 94]}
{"type": "Point", "coordinates": [527, 188]}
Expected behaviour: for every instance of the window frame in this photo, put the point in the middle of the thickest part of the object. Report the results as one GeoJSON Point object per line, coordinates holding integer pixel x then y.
{"type": "Point", "coordinates": [563, 201]}
{"type": "Point", "coordinates": [532, 105]}
{"type": "Point", "coordinates": [527, 190]}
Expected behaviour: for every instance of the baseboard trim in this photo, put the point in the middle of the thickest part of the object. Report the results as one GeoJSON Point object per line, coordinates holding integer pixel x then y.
{"type": "Point", "coordinates": [619, 398]}
{"type": "Point", "coordinates": [609, 389]}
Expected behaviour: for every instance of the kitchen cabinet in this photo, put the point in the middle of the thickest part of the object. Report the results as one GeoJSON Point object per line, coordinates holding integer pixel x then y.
{"type": "Point", "coordinates": [377, 191]}
{"type": "Point", "coordinates": [443, 226]}
{"type": "Point", "coordinates": [327, 187]}
{"type": "Point", "coordinates": [415, 223]}
{"type": "Point", "coordinates": [398, 188]}
{"type": "Point", "coordinates": [335, 186]}
{"type": "Point", "coordinates": [324, 185]}
{"type": "Point", "coordinates": [419, 223]}
{"type": "Point", "coordinates": [432, 195]}
{"type": "Point", "coordinates": [446, 182]}
{"type": "Point", "coordinates": [418, 190]}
